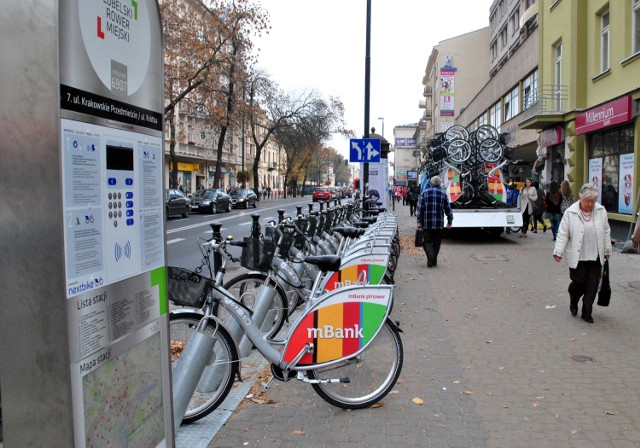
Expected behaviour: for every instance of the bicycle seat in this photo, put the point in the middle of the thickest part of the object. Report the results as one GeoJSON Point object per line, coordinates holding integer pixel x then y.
{"type": "Point", "coordinates": [361, 224]}
{"type": "Point", "coordinates": [325, 262]}
{"type": "Point", "coordinates": [350, 232]}
{"type": "Point", "coordinates": [369, 219]}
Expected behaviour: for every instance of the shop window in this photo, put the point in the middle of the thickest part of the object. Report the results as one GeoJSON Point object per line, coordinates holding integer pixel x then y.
{"type": "Point", "coordinates": [611, 165]}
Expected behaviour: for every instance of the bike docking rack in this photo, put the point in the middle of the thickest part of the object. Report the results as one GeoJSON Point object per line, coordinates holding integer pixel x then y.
{"type": "Point", "coordinates": [343, 303]}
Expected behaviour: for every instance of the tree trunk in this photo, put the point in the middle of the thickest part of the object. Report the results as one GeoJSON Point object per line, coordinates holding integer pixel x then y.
{"type": "Point", "coordinates": [216, 175]}
{"type": "Point", "coordinates": [173, 180]}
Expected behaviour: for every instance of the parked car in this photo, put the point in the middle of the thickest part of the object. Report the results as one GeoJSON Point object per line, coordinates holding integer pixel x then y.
{"type": "Point", "coordinates": [211, 201]}
{"type": "Point", "coordinates": [243, 197]}
{"type": "Point", "coordinates": [334, 193]}
{"type": "Point", "coordinates": [176, 203]}
{"type": "Point", "coordinates": [346, 192]}
{"type": "Point", "coordinates": [321, 194]}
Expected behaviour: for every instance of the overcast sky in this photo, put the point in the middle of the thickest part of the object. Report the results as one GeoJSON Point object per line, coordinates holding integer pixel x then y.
{"type": "Point", "coordinates": [321, 45]}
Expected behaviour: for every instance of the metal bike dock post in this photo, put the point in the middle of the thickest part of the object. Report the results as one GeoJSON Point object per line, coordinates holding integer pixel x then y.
{"type": "Point", "coordinates": [85, 353]}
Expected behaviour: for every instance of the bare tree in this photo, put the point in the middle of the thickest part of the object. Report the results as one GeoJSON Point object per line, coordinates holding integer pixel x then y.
{"type": "Point", "coordinates": [207, 49]}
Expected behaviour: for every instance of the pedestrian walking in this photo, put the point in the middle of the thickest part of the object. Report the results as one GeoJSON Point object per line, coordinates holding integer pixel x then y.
{"type": "Point", "coordinates": [432, 206]}
{"type": "Point", "coordinates": [584, 240]}
{"type": "Point", "coordinates": [412, 197]}
{"type": "Point", "coordinates": [567, 196]}
{"type": "Point", "coordinates": [539, 209]}
{"type": "Point", "coordinates": [526, 203]}
{"type": "Point", "coordinates": [405, 192]}
{"type": "Point", "coordinates": [554, 200]}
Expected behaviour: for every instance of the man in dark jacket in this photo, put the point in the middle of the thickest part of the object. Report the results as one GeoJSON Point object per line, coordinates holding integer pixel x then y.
{"type": "Point", "coordinates": [412, 197]}
{"type": "Point", "coordinates": [432, 205]}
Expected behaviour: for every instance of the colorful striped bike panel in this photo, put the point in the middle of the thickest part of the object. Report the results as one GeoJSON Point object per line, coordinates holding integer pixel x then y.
{"type": "Point", "coordinates": [343, 323]}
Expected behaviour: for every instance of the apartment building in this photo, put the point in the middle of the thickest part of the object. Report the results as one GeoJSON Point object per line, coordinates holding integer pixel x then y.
{"type": "Point", "coordinates": [589, 67]}
{"type": "Point", "coordinates": [456, 70]}
{"type": "Point", "coordinates": [405, 154]}
{"type": "Point", "coordinates": [512, 86]}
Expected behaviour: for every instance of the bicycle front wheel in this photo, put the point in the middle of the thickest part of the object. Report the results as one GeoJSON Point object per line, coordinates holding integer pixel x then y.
{"type": "Point", "coordinates": [371, 375]}
{"type": "Point", "coordinates": [217, 378]}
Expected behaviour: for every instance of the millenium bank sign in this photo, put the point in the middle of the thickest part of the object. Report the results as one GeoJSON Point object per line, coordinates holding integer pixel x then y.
{"type": "Point", "coordinates": [605, 115]}
{"type": "Point", "coordinates": [111, 106]}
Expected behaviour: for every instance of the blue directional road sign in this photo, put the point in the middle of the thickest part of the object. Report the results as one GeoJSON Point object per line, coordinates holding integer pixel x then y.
{"type": "Point", "coordinates": [364, 150]}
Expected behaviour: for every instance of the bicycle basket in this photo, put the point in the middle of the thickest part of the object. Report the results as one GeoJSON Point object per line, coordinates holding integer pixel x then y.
{"type": "Point", "coordinates": [186, 288]}
{"type": "Point", "coordinates": [256, 254]}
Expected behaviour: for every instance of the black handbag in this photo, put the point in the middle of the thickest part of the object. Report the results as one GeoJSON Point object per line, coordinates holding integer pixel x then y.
{"type": "Point", "coordinates": [604, 294]}
{"type": "Point", "coordinates": [419, 237]}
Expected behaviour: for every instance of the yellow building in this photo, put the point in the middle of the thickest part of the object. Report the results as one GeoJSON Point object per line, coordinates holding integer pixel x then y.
{"type": "Point", "coordinates": [587, 102]}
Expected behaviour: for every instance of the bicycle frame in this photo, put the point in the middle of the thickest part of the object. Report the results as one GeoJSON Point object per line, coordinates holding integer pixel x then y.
{"type": "Point", "coordinates": [301, 352]}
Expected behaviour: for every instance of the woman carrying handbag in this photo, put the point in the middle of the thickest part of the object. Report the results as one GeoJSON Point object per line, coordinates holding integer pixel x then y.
{"type": "Point", "coordinates": [526, 203]}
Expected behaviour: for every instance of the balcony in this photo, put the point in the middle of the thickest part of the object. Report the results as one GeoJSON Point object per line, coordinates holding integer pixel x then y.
{"type": "Point", "coordinates": [422, 104]}
{"type": "Point", "coordinates": [545, 107]}
{"type": "Point", "coordinates": [428, 91]}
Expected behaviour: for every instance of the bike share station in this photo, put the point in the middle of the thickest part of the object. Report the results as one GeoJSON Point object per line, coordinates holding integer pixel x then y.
{"type": "Point", "coordinates": [85, 354]}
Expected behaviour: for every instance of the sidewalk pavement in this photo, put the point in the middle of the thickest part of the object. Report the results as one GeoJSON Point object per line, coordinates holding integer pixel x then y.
{"type": "Point", "coordinates": [491, 349]}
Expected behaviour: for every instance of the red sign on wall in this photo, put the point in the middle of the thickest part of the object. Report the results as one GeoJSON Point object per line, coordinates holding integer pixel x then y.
{"type": "Point", "coordinates": [609, 114]}
{"type": "Point", "coordinates": [551, 136]}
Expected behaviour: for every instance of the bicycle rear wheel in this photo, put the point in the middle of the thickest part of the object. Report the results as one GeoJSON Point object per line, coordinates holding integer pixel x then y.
{"type": "Point", "coordinates": [245, 287]}
{"type": "Point", "coordinates": [372, 374]}
{"type": "Point", "coordinates": [217, 378]}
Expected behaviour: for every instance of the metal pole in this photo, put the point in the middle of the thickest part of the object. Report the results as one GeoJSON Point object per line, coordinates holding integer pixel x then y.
{"type": "Point", "coordinates": [367, 77]}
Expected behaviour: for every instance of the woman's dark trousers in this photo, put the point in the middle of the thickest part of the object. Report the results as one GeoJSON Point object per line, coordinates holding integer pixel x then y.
{"type": "Point", "coordinates": [584, 283]}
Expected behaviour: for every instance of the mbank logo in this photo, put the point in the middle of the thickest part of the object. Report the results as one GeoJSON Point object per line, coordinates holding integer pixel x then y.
{"type": "Point", "coordinates": [330, 332]}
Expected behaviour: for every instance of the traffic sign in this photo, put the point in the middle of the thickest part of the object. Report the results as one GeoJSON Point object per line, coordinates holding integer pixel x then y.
{"type": "Point", "coordinates": [364, 150]}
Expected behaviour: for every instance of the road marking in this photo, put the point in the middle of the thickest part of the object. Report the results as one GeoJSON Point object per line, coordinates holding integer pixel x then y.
{"type": "Point", "coordinates": [175, 240]}
{"type": "Point", "coordinates": [227, 218]}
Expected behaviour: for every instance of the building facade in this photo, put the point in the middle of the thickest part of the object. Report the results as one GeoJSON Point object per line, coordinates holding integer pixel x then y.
{"type": "Point", "coordinates": [456, 70]}
{"type": "Point", "coordinates": [513, 82]}
{"type": "Point", "coordinates": [196, 154]}
{"type": "Point", "coordinates": [405, 154]}
{"type": "Point", "coordinates": [593, 48]}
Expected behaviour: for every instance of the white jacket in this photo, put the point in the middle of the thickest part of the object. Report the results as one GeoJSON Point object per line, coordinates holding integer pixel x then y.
{"type": "Point", "coordinates": [526, 197]}
{"type": "Point", "coordinates": [569, 238]}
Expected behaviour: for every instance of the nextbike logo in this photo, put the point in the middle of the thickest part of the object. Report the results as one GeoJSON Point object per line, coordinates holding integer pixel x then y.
{"type": "Point", "coordinates": [117, 19]}
{"type": "Point", "coordinates": [330, 332]}
{"type": "Point", "coordinates": [77, 288]}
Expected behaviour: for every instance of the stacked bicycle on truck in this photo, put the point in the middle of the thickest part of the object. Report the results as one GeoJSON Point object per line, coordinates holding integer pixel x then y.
{"type": "Point", "coordinates": [472, 165]}
{"type": "Point", "coordinates": [334, 268]}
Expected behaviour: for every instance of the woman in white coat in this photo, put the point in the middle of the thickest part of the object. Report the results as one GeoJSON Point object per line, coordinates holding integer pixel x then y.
{"type": "Point", "coordinates": [526, 200]}
{"type": "Point", "coordinates": [584, 240]}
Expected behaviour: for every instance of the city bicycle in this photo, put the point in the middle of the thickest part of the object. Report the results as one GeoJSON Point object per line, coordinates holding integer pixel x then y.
{"type": "Point", "coordinates": [342, 342]}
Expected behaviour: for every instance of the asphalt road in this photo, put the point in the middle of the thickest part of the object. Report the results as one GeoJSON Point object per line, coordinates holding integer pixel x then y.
{"type": "Point", "coordinates": [183, 233]}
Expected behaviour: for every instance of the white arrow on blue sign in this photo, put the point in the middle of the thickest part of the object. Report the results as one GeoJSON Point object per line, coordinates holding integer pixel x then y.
{"type": "Point", "coordinates": [364, 150]}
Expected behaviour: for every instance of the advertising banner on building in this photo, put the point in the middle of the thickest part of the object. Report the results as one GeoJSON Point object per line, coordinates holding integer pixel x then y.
{"type": "Point", "coordinates": [595, 175]}
{"type": "Point", "coordinates": [625, 189]}
{"type": "Point", "coordinates": [447, 91]}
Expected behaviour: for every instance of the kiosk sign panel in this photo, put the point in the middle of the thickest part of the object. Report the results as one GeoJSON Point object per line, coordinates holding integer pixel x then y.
{"type": "Point", "coordinates": [111, 143]}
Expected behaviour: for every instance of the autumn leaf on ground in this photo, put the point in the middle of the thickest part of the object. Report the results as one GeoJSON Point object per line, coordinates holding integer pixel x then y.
{"type": "Point", "coordinates": [468, 392]}
{"type": "Point", "coordinates": [609, 412]}
{"type": "Point", "coordinates": [378, 405]}
{"type": "Point", "coordinates": [418, 401]}
{"type": "Point", "coordinates": [262, 401]}
{"type": "Point", "coordinates": [297, 432]}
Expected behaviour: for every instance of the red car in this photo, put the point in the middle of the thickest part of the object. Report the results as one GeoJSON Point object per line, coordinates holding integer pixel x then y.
{"type": "Point", "coordinates": [321, 194]}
